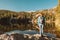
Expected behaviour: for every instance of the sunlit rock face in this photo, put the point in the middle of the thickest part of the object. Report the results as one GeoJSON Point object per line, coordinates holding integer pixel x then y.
{"type": "Point", "coordinates": [57, 16]}
{"type": "Point", "coordinates": [57, 22]}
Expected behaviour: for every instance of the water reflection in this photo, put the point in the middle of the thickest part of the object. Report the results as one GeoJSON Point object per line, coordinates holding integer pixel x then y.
{"type": "Point", "coordinates": [7, 24]}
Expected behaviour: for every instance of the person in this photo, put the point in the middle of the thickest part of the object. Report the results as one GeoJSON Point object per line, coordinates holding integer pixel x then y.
{"type": "Point", "coordinates": [40, 19]}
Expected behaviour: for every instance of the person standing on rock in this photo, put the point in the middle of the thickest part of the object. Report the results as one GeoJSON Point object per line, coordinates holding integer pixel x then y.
{"type": "Point", "coordinates": [39, 22]}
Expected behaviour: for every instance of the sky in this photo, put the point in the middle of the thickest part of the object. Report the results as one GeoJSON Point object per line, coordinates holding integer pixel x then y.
{"type": "Point", "coordinates": [27, 5]}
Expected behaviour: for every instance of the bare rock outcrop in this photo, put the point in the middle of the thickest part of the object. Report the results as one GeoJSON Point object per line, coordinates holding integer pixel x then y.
{"type": "Point", "coordinates": [26, 37]}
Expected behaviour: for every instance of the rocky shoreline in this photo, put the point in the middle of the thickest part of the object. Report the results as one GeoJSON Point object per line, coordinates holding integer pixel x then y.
{"type": "Point", "coordinates": [16, 36]}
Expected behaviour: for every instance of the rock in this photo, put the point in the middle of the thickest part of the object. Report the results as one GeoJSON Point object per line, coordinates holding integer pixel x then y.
{"type": "Point", "coordinates": [1, 32]}
{"type": "Point", "coordinates": [17, 36]}
{"type": "Point", "coordinates": [4, 37]}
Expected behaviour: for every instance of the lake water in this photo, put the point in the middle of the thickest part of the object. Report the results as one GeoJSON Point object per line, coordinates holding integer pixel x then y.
{"type": "Point", "coordinates": [31, 32]}
{"type": "Point", "coordinates": [23, 32]}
